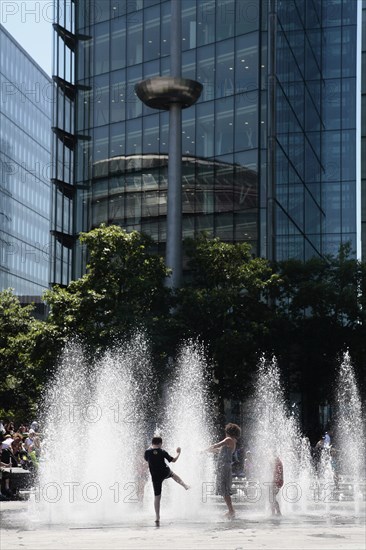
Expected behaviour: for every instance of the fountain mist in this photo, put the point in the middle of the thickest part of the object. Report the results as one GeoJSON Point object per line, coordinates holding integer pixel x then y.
{"type": "Point", "coordinates": [349, 432]}
{"type": "Point", "coordinates": [275, 431]}
{"type": "Point", "coordinates": [188, 425]}
{"type": "Point", "coordinates": [95, 434]}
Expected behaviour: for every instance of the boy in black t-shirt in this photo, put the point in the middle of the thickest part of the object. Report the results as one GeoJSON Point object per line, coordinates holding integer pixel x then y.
{"type": "Point", "coordinates": [159, 471]}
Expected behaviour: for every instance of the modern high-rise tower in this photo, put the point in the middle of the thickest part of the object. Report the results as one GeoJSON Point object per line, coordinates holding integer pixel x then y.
{"type": "Point", "coordinates": [25, 161]}
{"type": "Point", "coordinates": [271, 151]}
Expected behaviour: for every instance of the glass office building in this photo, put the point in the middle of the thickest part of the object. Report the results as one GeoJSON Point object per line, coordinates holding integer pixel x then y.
{"type": "Point", "coordinates": [25, 148]}
{"type": "Point", "coordinates": [363, 132]}
{"type": "Point", "coordinates": [269, 154]}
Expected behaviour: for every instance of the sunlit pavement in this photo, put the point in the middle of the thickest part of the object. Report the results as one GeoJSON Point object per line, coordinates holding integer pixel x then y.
{"type": "Point", "coordinates": [311, 531]}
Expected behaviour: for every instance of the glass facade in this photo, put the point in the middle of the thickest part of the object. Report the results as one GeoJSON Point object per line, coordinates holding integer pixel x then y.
{"type": "Point", "coordinates": [268, 154]}
{"type": "Point", "coordinates": [25, 163]}
{"type": "Point", "coordinates": [316, 119]}
{"type": "Point", "coordinates": [363, 133]}
{"type": "Point", "coordinates": [339, 99]}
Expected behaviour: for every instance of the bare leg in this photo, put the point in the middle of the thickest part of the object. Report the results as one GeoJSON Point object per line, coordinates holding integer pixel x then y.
{"type": "Point", "coordinates": [229, 504]}
{"type": "Point", "coordinates": [277, 508]}
{"type": "Point", "coordinates": [157, 500]}
{"type": "Point", "coordinates": [180, 481]}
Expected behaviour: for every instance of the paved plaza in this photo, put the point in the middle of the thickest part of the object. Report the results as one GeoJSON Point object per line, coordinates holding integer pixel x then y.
{"type": "Point", "coordinates": [247, 532]}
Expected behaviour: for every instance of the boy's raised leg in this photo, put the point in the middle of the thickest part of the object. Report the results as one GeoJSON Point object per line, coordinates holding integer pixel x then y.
{"type": "Point", "coordinates": [180, 481]}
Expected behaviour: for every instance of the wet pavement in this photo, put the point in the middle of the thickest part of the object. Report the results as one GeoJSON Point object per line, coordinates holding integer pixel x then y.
{"type": "Point", "coordinates": [249, 532]}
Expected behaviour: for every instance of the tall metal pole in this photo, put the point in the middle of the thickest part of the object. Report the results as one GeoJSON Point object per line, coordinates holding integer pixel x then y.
{"type": "Point", "coordinates": [172, 93]}
{"type": "Point", "coordinates": [174, 199]}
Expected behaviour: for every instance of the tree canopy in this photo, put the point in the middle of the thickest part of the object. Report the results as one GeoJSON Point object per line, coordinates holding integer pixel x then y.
{"type": "Point", "coordinates": [239, 306]}
{"type": "Point", "coordinates": [19, 374]}
{"type": "Point", "coordinates": [123, 288]}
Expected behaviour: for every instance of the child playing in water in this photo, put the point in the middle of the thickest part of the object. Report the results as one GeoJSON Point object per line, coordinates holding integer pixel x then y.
{"type": "Point", "coordinates": [156, 456]}
{"type": "Point", "coordinates": [225, 449]}
{"type": "Point", "coordinates": [277, 483]}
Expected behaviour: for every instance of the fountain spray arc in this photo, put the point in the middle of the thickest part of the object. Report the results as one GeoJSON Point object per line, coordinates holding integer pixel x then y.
{"type": "Point", "coordinates": [350, 431]}
{"type": "Point", "coordinates": [95, 432]}
{"type": "Point", "coordinates": [276, 432]}
{"type": "Point", "coordinates": [312, 484]}
{"type": "Point", "coordinates": [172, 93]}
{"type": "Point", "coordinates": [188, 424]}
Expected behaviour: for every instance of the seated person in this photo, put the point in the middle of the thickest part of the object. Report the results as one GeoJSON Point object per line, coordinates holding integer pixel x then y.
{"type": "Point", "coordinates": [7, 454]}
{"type": "Point", "coordinates": [20, 453]}
{"type": "Point", "coordinates": [29, 441]}
{"type": "Point", "coordinates": [7, 460]}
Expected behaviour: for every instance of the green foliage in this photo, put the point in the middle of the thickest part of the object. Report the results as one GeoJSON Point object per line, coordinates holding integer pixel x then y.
{"type": "Point", "coordinates": [18, 382]}
{"type": "Point", "coordinates": [216, 264]}
{"type": "Point", "coordinates": [122, 289]}
{"type": "Point", "coordinates": [225, 304]}
{"type": "Point", "coordinates": [323, 288]}
{"type": "Point", "coordinates": [237, 305]}
{"type": "Point", "coordinates": [320, 313]}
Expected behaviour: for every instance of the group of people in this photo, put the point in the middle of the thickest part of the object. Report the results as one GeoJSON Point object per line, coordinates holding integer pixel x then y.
{"type": "Point", "coordinates": [156, 457]}
{"type": "Point", "coordinates": [22, 448]}
{"type": "Point", "coordinates": [19, 448]}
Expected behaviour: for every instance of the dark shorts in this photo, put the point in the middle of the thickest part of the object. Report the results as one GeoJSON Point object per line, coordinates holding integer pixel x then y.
{"type": "Point", "coordinates": [158, 482]}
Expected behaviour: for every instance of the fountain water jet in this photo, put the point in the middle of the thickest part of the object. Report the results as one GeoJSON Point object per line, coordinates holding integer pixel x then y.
{"type": "Point", "coordinates": [276, 431]}
{"type": "Point", "coordinates": [306, 488]}
{"type": "Point", "coordinates": [349, 432]}
{"type": "Point", "coordinates": [95, 428]}
{"type": "Point", "coordinates": [189, 425]}
{"type": "Point", "coordinates": [98, 421]}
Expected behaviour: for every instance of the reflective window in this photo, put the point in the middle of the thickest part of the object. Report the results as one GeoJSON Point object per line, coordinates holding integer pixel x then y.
{"type": "Point", "coordinates": [25, 191]}
{"type": "Point", "coordinates": [118, 43]}
{"type": "Point", "coordinates": [206, 72]}
{"type": "Point", "coordinates": [100, 143]}
{"type": "Point", "coordinates": [134, 39]}
{"type": "Point", "coordinates": [246, 63]}
{"type": "Point", "coordinates": [225, 19]}
{"type": "Point", "coordinates": [133, 104]}
{"type": "Point", "coordinates": [151, 33]}
{"type": "Point", "coordinates": [225, 135]}
{"type": "Point", "coordinates": [189, 24]}
{"type": "Point", "coordinates": [133, 136]}
{"type": "Point", "coordinates": [118, 96]}
{"type": "Point", "coordinates": [151, 134]}
{"type": "Point", "coordinates": [165, 29]}
{"type": "Point", "coordinates": [224, 126]}
{"type": "Point", "coordinates": [205, 130]}
{"type": "Point", "coordinates": [206, 18]}
{"type": "Point", "coordinates": [117, 139]}
{"type": "Point", "coordinates": [224, 70]}
{"type": "Point", "coordinates": [101, 100]}
{"type": "Point", "coordinates": [101, 48]}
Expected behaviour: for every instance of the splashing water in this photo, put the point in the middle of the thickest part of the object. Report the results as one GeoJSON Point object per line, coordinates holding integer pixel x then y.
{"type": "Point", "coordinates": [99, 420]}
{"type": "Point", "coordinates": [94, 436]}
{"type": "Point", "coordinates": [349, 434]}
{"type": "Point", "coordinates": [275, 432]}
{"type": "Point", "coordinates": [188, 425]}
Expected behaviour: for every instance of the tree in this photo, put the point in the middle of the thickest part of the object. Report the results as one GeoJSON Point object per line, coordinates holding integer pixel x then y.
{"type": "Point", "coordinates": [122, 289]}
{"type": "Point", "coordinates": [225, 304]}
{"type": "Point", "coordinates": [19, 376]}
{"type": "Point", "coordinates": [320, 314]}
